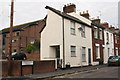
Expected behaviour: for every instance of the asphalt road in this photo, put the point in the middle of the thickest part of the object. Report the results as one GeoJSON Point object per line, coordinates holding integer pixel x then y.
{"type": "Point", "coordinates": [106, 72]}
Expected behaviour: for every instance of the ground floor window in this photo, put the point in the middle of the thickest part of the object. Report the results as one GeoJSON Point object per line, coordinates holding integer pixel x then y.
{"type": "Point", "coordinates": [73, 51]}
{"type": "Point", "coordinates": [83, 54]}
{"type": "Point", "coordinates": [116, 52]}
{"type": "Point", "coordinates": [97, 52]}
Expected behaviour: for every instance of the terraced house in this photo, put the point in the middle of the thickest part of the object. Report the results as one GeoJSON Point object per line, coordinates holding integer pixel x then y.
{"type": "Point", "coordinates": [66, 38]}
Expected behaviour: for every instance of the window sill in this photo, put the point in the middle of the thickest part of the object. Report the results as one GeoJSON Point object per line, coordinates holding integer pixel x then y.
{"type": "Point", "coordinates": [73, 56]}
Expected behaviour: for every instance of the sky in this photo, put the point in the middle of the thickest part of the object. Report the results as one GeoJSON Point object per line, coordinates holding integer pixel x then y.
{"type": "Point", "coordinates": [32, 10]}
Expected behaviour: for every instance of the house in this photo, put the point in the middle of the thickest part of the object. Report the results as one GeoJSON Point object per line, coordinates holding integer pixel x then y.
{"type": "Point", "coordinates": [117, 42]}
{"type": "Point", "coordinates": [22, 35]}
{"type": "Point", "coordinates": [109, 42]}
{"type": "Point", "coordinates": [98, 45]}
{"type": "Point", "coordinates": [66, 38]}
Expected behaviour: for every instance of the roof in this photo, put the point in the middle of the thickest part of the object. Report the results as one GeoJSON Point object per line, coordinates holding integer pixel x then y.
{"type": "Point", "coordinates": [98, 25]}
{"type": "Point", "coordinates": [19, 27]}
{"type": "Point", "coordinates": [66, 16]}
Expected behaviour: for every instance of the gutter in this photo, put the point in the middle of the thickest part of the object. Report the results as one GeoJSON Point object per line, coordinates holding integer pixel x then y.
{"type": "Point", "coordinates": [63, 43]}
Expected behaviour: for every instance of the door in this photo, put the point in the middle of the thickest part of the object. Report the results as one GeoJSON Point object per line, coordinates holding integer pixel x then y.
{"type": "Point", "coordinates": [89, 56]}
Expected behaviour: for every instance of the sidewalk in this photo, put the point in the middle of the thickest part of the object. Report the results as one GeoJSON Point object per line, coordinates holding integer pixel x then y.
{"type": "Point", "coordinates": [58, 72]}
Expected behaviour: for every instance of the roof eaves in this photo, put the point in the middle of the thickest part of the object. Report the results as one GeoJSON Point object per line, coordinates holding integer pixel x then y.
{"type": "Point", "coordinates": [66, 15]}
{"type": "Point", "coordinates": [99, 26]}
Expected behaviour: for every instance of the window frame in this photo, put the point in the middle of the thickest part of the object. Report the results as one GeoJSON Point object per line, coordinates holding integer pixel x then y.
{"type": "Point", "coordinates": [101, 34]}
{"type": "Point", "coordinates": [97, 50]}
{"type": "Point", "coordinates": [73, 51]}
{"type": "Point", "coordinates": [83, 31]}
{"type": "Point", "coordinates": [84, 53]}
{"type": "Point", "coordinates": [95, 32]}
{"type": "Point", "coordinates": [72, 28]}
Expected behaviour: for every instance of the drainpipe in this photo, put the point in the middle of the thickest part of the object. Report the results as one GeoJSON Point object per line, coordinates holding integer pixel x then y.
{"type": "Point", "coordinates": [63, 43]}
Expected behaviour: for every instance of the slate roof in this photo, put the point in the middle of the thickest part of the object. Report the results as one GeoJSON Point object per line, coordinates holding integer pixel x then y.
{"type": "Point", "coordinates": [66, 15]}
{"type": "Point", "coordinates": [19, 27]}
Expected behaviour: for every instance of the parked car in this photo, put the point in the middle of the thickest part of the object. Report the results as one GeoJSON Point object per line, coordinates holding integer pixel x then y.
{"type": "Point", "coordinates": [18, 56]}
{"type": "Point", "coordinates": [114, 60]}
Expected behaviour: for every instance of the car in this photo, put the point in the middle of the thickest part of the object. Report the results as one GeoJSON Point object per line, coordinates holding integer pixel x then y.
{"type": "Point", "coordinates": [114, 60]}
{"type": "Point", "coordinates": [18, 56]}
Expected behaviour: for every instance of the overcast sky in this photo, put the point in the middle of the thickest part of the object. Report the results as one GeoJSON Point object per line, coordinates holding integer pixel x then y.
{"type": "Point", "coordinates": [32, 10]}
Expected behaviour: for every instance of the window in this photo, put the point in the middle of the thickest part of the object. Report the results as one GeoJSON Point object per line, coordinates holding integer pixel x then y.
{"type": "Point", "coordinates": [72, 27]}
{"type": "Point", "coordinates": [115, 39]}
{"type": "Point", "coordinates": [97, 52]}
{"type": "Point", "coordinates": [96, 32]}
{"type": "Point", "coordinates": [17, 34]}
{"type": "Point", "coordinates": [83, 31]}
{"type": "Point", "coordinates": [83, 54]}
{"type": "Point", "coordinates": [107, 37]}
{"type": "Point", "coordinates": [101, 34]}
{"type": "Point", "coordinates": [108, 52]}
{"type": "Point", "coordinates": [116, 52]}
{"type": "Point", "coordinates": [14, 41]}
{"type": "Point", "coordinates": [73, 51]}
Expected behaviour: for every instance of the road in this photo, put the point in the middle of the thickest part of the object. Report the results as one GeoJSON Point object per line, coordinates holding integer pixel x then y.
{"type": "Point", "coordinates": [106, 72]}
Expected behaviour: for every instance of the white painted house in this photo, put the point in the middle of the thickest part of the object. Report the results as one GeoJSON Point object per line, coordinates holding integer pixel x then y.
{"type": "Point", "coordinates": [109, 42]}
{"type": "Point", "coordinates": [67, 38]}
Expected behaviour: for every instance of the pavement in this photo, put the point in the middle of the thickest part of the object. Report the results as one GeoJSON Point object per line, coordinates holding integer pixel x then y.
{"type": "Point", "coordinates": [49, 75]}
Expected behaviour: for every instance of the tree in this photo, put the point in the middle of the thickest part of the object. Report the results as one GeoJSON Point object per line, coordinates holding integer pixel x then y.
{"type": "Point", "coordinates": [33, 47]}
{"type": "Point", "coordinates": [30, 48]}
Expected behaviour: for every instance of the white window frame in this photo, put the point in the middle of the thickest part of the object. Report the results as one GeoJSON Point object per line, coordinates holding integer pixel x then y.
{"type": "Point", "coordinates": [97, 48]}
{"type": "Point", "coordinates": [101, 33]}
{"type": "Point", "coordinates": [83, 31]}
{"type": "Point", "coordinates": [95, 32]}
{"type": "Point", "coordinates": [83, 54]}
{"type": "Point", "coordinates": [73, 51]}
{"type": "Point", "coordinates": [72, 27]}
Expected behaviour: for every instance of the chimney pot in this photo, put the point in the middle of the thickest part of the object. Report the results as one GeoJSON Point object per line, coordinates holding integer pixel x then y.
{"type": "Point", "coordinates": [69, 8]}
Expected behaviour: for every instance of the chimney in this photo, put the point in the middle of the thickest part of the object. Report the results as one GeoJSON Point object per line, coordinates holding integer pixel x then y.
{"type": "Point", "coordinates": [97, 20]}
{"type": "Point", "coordinates": [69, 8]}
{"type": "Point", "coordinates": [85, 14]}
{"type": "Point", "coordinates": [105, 24]}
{"type": "Point", "coordinates": [112, 28]}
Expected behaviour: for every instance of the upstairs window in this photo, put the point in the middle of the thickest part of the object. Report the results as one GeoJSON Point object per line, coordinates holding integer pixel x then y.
{"type": "Point", "coordinates": [83, 31]}
{"type": "Point", "coordinates": [101, 38]}
{"type": "Point", "coordinates": [72, 28]}
{"type": "Point", "coordinates": [17, 33]}
{"type": "Point", "coordinates": [96, 32]}
{"type": "Point", "coordinates": [107, 37]}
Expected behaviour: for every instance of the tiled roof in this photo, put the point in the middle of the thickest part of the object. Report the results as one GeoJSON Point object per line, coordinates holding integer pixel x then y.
{"type": "Point", "coordinates": [98, 25]}
{"type": "Point", "coordinates": [66, 15]}
{"type": "Point", "coordinates": [19, 27]}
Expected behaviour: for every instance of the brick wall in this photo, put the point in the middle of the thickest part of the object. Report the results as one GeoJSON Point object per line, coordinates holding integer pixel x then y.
{"type": "Point", "coordinates": [43, 66]}
{"type": "Point", "coordinates": [17, 69]}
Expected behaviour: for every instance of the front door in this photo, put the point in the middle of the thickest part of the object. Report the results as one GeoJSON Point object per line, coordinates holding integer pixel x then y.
{"type": "Point", "coordinates": [89, 56]}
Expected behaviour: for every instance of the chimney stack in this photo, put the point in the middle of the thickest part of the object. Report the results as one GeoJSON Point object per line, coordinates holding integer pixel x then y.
{"type": "Point", "coordinates": [97, 20]}
{"type": "Point", "coordinates": [85, 14]}
{"type": "Point", "coordinates": [69, 8]}
{"type": "Point", "coordinates": [105, 24]}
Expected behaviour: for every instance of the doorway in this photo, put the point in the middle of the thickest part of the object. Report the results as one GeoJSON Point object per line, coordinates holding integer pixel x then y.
{"type": "Point", "coordinates": [89, 56]}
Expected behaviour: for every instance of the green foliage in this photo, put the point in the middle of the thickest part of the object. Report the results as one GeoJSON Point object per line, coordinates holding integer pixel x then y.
{"type": "Point", "coordinates": [33, 47]}
{"type": "Point", "coordinates": [30, 48]}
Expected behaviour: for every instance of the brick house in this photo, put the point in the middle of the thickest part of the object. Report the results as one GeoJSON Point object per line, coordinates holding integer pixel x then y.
{"type": "Point", "coordinates": [97, 40]}
{"type": "Point", "coordinates": [117, 42]}
{"type": "Point", "coordinates": [22, 35]}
